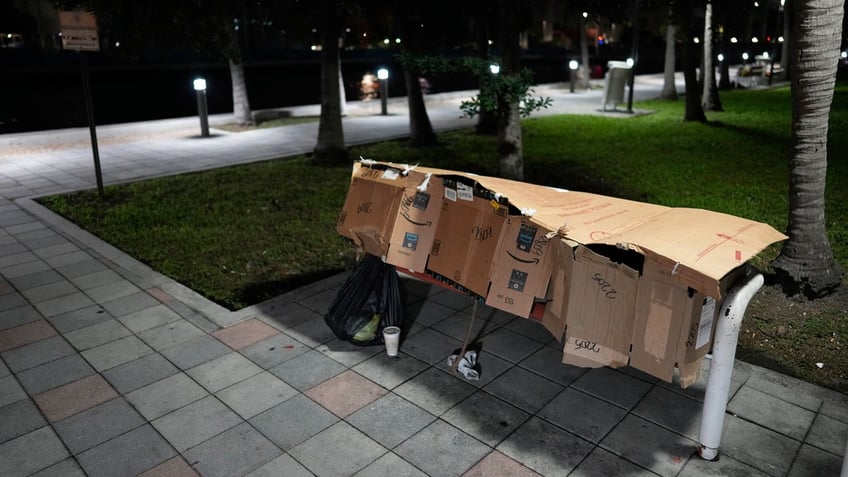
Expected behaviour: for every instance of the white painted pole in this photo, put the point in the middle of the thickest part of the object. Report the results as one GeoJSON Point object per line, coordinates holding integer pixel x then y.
{"type": "Point", "coordinates": [721, 367]}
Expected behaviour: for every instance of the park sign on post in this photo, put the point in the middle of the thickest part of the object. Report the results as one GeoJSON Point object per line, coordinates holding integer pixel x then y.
{"type": "Point", "coordinates": [79, 31]}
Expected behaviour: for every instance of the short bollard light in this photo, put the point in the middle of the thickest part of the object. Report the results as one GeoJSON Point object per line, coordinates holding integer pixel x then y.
{"type": "Point", "coordinates": [572, 72]}
{"type": "Point", "coordinates": [383, 76]}
{"type": "Point", "coordinates": [494, 68]}
{"type": "Point", "coordinates": [202, 109]}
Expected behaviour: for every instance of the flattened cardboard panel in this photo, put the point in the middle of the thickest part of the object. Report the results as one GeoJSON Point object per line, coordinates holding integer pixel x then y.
{"type": "Point", "coordinates": [415, 225]}
{"type": "Point", "coordinates": [466, 240]}
{"type": "Point", "coordinates": [522, 267]}
{"type": "Point", "coordinates": [367, 217]}
{"type": "Point", "coordinates": [599, 320]}
{"type": "Point", "coordinates": [562, 263]}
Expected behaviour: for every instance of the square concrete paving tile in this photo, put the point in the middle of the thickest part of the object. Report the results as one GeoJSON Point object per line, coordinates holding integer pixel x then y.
{"type": "Point", "coordinates": [129, 304]}
{"type": "Point", "coordinates": [772, 413]}
{"type": "Point", "coordinates": [56, 249]}
{"type": "Point", "coordinates": [25, 334]}
{"type": "Point", "coordinates": [245, 333]}
{"type": "Point", "coordinates": [530, 328]}
{"type": "Point", "coordinates": [173, 467]}
{"type": "Point", "coordinates": [21, 270]}
{"type": "Point", "coordinates": [757, 446]}
{"type": "Point", "coordinates": [148, 318]}
{"type": "Point", "coordinates": [224, 371]}
{"type": "Point", "coordinates": [345, 393]}
{"type": "Point", "coordinates": [34, 354]}
{"type": "Point", "coordinates": [521, 388]}
{"type": "Point", "coordinates": [812, 462]}
{"type": "Point", "coordinates": [20, 315]}
{"type": "Point", "coordinates": [451, 299]}
{"type": "Point", "coordinates": [65, 468]}
{"type": "Point", "coordinates": [19, 418]}
{"type": "Point", "coordinates": [545, 448]}
{"type": "Point", "coordinates": [190, 425]}
{"type": "Point", "coordinates": [10, 391]}
{"type": "Point", "coordinates": [441, 449]}
{"type": "Point", "coordinates": [428, 313]}
{"type": "Point", "coordinates": [256, 394]}
{"type": "Point", "coordinates": [584, 415]}
{"type": "Point", "coordinates": [351, 451]}
{"type": "Point", "coordinates": [49, 291]}
{"type": "Point", "coordinates": [497, 463]}
{"type": "Point", "coordinates": [289, 315]}
{"type": "Point", "coordinates": [282, 465]}
{"type": "Point", "coordinates": [31, 452]}
{"type": "Point", "coordinates": [293, 421]}
{"type": "Point", "coordinates": [388, 371]}
{"type": "Point", "coordinates": [55, 373]}
{"type": "Point", "coordinates": [116, 353]}
{"type": "Point", "coordinates": [429, 346]}
{"type": "Point", "coordinates": [486, 417]}
{"type": "Point", "coordinates": [602, 462]}
{"type": "Point", "coordinates": [63, 304]}
{"type": "Point", "coordinates": [45, 277]}
{"type": "Point", "coordinates": [509, 345]}
{"type": "Point", "coordinates": [67, 400]}
{"type": "Point", "coordinates": [97, 279]}
{"type": "Point", "coordinates": [98, 424]}
{"type": "Point", "coordinates": [307, 370]}
{"type": "Point", "coordinates": [128, 454]}
{"type": "Point", "coordinates": [312, 333]}
{"type": "Point", "coordinates": [274, 350]}
{"type": "Point", "coordinates": [140, 372]}
{"type": "Point", "coordinates": [319, 302]}
{"type": "Point", "coordinates": [390, 420]}
{"type": "Point", "coordinates": [83, 267]}
{"type": "Point", "coordinates": [97, 334]}
{"type": "Point", "coordinates": [233, 452]}
{"type": "Point", "coordinates": [170, 334]}
{"type": "Point", "coordinates": [547, 362]}
{"type": "Point", "coordinates": [196, 351]}
{"type": "Point", "coordinates": [828, 434]}
{"type": "Point", "coordinates": [67, 259]}
{"type": "Point", "coordinates": [77, 319]}
{"type": "Point", "coordinates": [456, 326]}
{"type": "Point", "coordinates": [650, 446]}
{"type": "Point", "coordinates": [112, 290]}
{"type": "Point", "coordinates": [723, 467]}
{"type": "Point", "coordinates": [166, 395]}
{"type": "Point", "coordinates": [348, 353]}
{"type": "Point", "coordinates": [389, 464]}
{"type": "Point", "coordinates": [796, 391]}
{"type": "Point", "coordinates": [674, 411]}
{"type": "Point", "coordinates": [435, 391]}
{"type": "Point", "coordinates": [613, 386]}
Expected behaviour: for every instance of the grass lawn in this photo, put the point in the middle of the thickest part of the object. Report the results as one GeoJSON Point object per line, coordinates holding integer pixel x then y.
{"type": "Point", "coordinates": [243, 234]}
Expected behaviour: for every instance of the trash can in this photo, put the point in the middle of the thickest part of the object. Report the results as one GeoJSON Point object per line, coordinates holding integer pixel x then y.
{"type": "Point", "coordinates": [618, 74]}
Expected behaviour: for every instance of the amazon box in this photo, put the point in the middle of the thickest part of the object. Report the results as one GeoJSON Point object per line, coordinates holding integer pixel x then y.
{"type": "Point", "coordinates": [416, 221]}
{"type": "Point", "coordinates": [522, 267]}
{"type": "Point", "coordinates": [468, 234]}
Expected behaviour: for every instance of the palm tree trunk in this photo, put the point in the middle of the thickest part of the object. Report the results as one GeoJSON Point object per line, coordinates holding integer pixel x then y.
{"type": "Point", "coordinates": [584, 55]}
{"type": "Point", "coordinates": [806, 263]}
{"type": "Point", "coordinates": [709, 99]}
{"type": "Point", "coordinates": [510, 147]}
{"type": "Point", "coordinates": [669, 90]}
{"type": "Point", "coordinates": [330, 148]}
{"type": "Point", "coordinates": [420, 129]}
{"type": "Point", "coordinates": [694, 111]}
{"type": "Point", "coordinates": [241, 105]}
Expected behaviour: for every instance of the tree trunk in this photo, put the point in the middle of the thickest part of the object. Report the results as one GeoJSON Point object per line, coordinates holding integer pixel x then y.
{"type": "Point", "coordinates": [806, 263]}
{"type": "Point", "coordinates": [694, 111]}
{"type": "Point", "coordinates": [584, 55]}
{"type": "Point", "coordinates": [709, 98]}
{"type": "Point", "coordinates": [241, 105]}
{"type": "Point", "coordinates": [510, 147]}
{"type": "Point", "coordinates": [669, 90]}
{"type": "Point", "coordinates": [487, 123]}
{"type": "Point", "coordinates": [330, 148]}
{"type": "Point", "coordinates": [786, 48]}
{"type": "Point", "coordinates": [723, 67]}
{"type": "Point", "coordinates": [420, 130]}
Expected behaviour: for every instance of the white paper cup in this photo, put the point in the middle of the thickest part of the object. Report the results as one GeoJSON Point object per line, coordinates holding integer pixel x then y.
{"type": "Point", "coordinates": [391, 336]}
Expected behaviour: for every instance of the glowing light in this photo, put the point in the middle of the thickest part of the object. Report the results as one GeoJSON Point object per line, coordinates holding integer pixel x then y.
{"type": "Point", "coordinates": [733, 39]}
{"type": "Point", "coordinates": [765, 55]}
{"type": "Point", "coordinates": [199, 84]}
{"type": "Point", "coordinates": [383, 74]}
{"type": "Point", "coordinates": [696, 40]}
{"type": "Point", "coordinates": [745, 56]}
{"type": "Point", "coordinates": [397, 40]}
{"type": "Point", "coordinates": [720, 57]}
{"type": "Point", "coordinates": [629, 62]}
{"type": "Point", "coordinates": [780, 39]}
{"type": "Point", "coordinates": [754, 40]}
{"type": "Point", "coordinates": [494, 68]}
{"type": "Point", "coordinates": [386, 41]}
{"type": "Point", "coordinates": [573, 64]}
{"type": "Point", "coordinates": [585, 14]}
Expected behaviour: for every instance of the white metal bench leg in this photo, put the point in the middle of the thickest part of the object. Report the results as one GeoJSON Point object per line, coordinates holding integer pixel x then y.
{"type": "Point", "coordinates": [721, 367]}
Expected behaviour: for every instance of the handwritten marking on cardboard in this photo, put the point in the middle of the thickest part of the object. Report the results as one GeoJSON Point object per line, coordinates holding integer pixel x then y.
{"type": "Point", "coordinates": [364, 208]}
{"type": "Point", "coordinates": [605, 286]}
{"type": "Point", "coordinates": [587, 345]}
{"type": "Point", "coordinates": [481, 233]}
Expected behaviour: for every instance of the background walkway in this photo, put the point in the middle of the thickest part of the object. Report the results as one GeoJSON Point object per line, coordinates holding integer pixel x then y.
{"type": "Point", "coordinates": [109, 368]}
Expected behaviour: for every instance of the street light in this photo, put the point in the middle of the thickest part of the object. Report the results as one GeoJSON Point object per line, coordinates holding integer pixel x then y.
{"type": "Point", "coordinates": [494, 68]}
{"type": "Point", "coordinates": [383, 76]}
{"type": "Point", "coordinates": [572, 66]}
{"type": "Point", "coordinates": [202, 110]}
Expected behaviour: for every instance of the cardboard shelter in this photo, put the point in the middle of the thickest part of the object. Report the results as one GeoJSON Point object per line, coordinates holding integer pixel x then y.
{"type": "Point", "coordinates": [623, 282]}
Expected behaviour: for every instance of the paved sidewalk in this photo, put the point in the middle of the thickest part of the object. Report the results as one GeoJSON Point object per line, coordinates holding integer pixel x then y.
{"type": "Point", "coordinates": [109, 368]}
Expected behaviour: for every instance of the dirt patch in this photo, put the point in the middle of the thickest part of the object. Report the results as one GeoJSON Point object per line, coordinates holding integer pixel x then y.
{"type": "Point", "coordinates": [804, 338]}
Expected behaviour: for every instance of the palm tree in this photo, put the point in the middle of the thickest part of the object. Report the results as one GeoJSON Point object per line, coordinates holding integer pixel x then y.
{"type": "Point", "coordinates": [709, 98]}
{"type": "Point", "coordinates": [330, 148]}
{"type": "Point", "coordinates": [806, 262]}
{"type": "Point", "coordinates": [510, 144]}
{"type": "Point", "coordinates": [669, 90]}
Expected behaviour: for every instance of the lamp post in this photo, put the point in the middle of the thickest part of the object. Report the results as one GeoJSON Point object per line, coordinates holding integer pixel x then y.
{"type": "Point", "coordinates": [572, 67]}
{"type": "Point", "coordinates": [383, 76]}
{"type": "Point", "coordinates": [202, 110]}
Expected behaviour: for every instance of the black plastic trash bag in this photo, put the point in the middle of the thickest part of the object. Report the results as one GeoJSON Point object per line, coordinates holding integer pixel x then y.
{"type": "Point", "coordinates": [368, 301]}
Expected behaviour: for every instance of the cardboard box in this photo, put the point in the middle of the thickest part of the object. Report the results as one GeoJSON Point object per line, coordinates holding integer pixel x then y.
{"type": "Point", "coordinates": [522, 267]}
{"type": "Point", "coordinates": [467, 237]}
{"type": "Point", "coordinates": [562, 264]}
{"type": "Point", "coordinates": [416, 222]}
{"type": "Point", "coordinates": [599, 318]}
